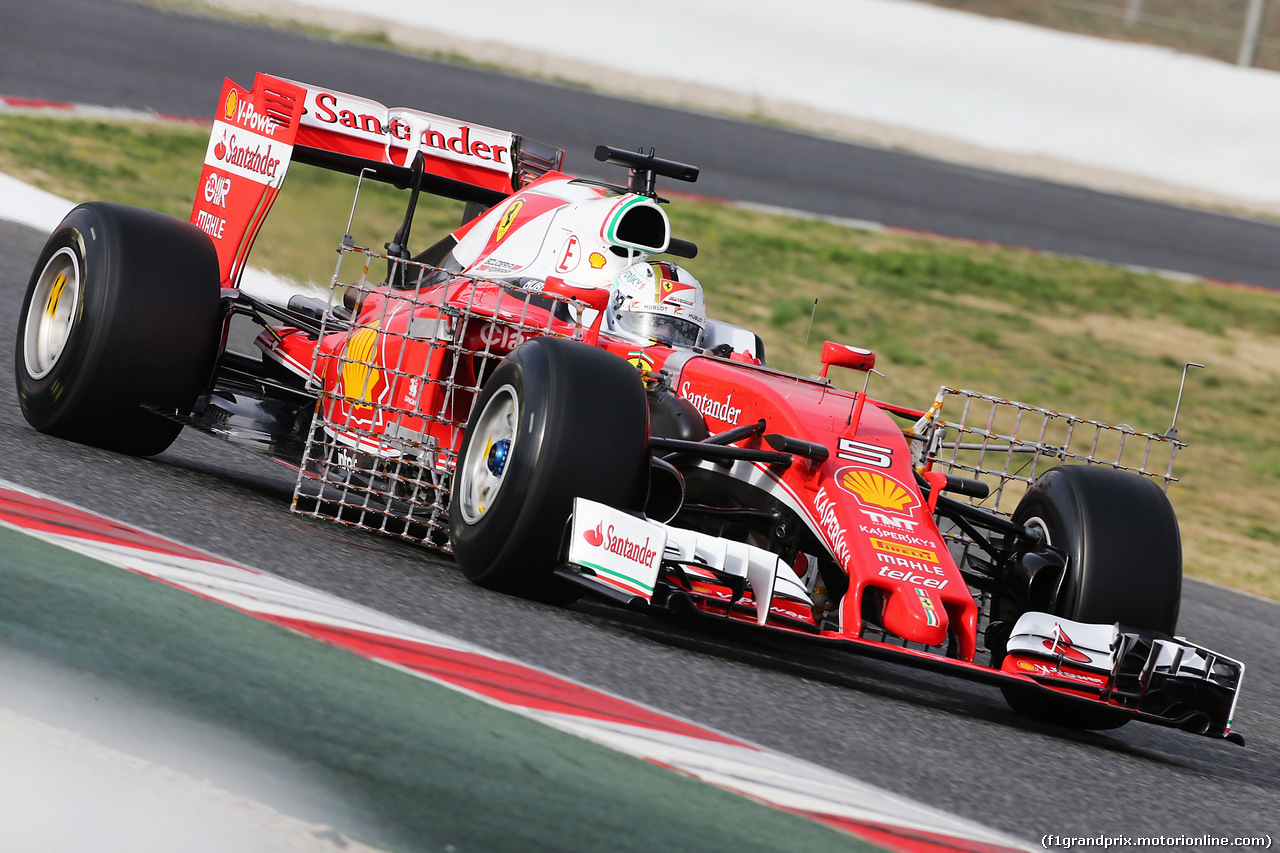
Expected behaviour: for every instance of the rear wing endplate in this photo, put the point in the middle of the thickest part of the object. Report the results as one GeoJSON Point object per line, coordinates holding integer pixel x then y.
{"type": "Point", "coordinates": [257, 132]}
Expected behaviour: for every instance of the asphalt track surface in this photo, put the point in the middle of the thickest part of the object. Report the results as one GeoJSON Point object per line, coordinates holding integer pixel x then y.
{"type": "Point", "coordinates": [115, 53]}
{"type": "Point", "coordinates": [948, 743]}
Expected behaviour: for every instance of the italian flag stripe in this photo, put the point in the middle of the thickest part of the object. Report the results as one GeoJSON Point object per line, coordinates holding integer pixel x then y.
{"type": "Point", "coordinates": [622, 580]}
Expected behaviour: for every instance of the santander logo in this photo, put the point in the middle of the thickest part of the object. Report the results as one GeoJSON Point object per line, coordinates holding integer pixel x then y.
{"type": "Point", "coordinates": [365, 118]}
{"type": "Point", "coordinates": [253, 159]}
{"type": "Point", "coordinates": [627, 549]}
{"type": "Point", "coordinates": [710, 407]}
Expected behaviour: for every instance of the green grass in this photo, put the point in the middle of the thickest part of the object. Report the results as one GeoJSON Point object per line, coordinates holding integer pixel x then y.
{"type": "Point", "coordinates": [1073, 336]}
{"type": "Point", "coordinates": [1210, 28]}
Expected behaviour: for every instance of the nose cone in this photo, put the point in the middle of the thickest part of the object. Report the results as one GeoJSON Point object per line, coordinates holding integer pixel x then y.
{"type": "Point", "coordinates": [916, 614]}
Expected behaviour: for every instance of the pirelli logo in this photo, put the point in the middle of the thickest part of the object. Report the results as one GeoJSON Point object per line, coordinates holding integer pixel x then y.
{"type": "Point", "coordinates": [904, 550]}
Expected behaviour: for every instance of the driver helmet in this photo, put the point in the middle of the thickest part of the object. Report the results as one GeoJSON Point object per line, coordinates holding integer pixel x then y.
{"type": "Point", "coordinates": [657, 301]}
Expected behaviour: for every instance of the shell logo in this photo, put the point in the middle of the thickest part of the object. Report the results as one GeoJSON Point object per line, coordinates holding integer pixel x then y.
{"type": "Point", "coordinates": [876, 490]}
{"type": "Point", "coordinates": [1026, 666]}
{"type": "Point", "coordinates": [229, 109]}
{"type": "Point", "coordinates": [359, 376]}
{"type": "Point", "coordinates": [597, 260]}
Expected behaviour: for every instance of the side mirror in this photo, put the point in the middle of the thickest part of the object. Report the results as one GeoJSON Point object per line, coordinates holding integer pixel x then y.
{"type": "Point", "coordinates": [841, 355]}
{"type": "Point", "coordinates": [596, 298]}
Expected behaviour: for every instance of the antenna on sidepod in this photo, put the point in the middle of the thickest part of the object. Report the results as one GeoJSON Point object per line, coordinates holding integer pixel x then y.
{"type": "Point", "coordinates": [855, 412]}
{"type": "Point", "coordinates": [1172, 431]}
{"type": "Point", "coordinates": [807, 332]}
{"type": "Point", "coordinates": [347, 239]}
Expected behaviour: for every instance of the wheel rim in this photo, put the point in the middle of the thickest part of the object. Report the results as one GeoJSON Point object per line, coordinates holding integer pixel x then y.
{"type": "Point", "coordinates": [1037, 521]}
{"type": "Point", "coordinates": [52, 312]}
{"type": "Point", "coordinates": [488, 455]}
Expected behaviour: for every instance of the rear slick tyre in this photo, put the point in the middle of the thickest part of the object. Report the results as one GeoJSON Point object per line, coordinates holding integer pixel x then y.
{"type": "Point", "coordinates": [1124, 564]}
{"type": "Point", "coordinates": [557, 420]}
{"type": "Point", "coordinates": [122, 316]}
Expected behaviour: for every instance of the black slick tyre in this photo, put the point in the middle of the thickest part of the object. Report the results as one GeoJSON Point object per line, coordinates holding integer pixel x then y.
{"type": "Point", "coordinates": [556, 420]}
{"type": "Point", "coordinates": [1124, 564]}
{"type": "Point", "coordinates": [122, 315]}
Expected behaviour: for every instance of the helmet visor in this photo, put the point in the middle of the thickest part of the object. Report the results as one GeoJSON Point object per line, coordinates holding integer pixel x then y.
{"type": "Point", "coordinates": [671, 330]}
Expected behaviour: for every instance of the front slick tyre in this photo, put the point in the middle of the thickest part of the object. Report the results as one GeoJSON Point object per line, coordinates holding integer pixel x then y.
{"type": "Point", "coordinates": [1124, 564]}
{"type": "Point", "coordinates": [122, 312]}
{"type": "Point", "coordinates": [557, 420]}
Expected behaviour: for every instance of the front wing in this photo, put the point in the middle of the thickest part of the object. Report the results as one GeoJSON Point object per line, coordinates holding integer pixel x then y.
{"type": "Point", "coordinates": [1139, 674]}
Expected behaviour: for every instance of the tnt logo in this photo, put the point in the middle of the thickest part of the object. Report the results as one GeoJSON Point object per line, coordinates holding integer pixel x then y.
{"type": "Point", "coordinates": [216, 189]}
{"type": "Point", "coordinates": [890, 521]}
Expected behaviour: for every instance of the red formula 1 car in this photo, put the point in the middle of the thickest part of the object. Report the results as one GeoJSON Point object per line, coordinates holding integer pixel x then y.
{"type": "Point", "coordinates": [494, 395]}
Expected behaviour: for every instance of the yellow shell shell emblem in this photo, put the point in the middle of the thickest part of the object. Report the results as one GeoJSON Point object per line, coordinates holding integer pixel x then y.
{"type": "Point", "coordinates": [359, 376]}
{"type": "Point", "coordinates": [230, 106]}
{"type": "Point", "coordinates": [877, 490]}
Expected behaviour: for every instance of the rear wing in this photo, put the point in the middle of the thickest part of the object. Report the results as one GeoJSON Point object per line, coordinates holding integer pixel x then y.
{"type": "Point", "coordinates": [258, 132]}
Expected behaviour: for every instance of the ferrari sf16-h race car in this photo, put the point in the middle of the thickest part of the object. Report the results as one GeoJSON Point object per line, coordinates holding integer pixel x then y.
{"type": "Point", "coordinates": [484, 397]}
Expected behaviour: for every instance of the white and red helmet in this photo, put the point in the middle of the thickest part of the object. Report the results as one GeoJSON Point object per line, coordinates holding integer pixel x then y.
{"type": "Point", "coordinates": [657, 302]}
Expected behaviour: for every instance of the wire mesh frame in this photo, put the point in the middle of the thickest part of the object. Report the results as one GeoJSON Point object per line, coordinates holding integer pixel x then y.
{"type": "Point", "coordinates": [1008, 445]}
{"type": "Point", "coordinates": [986, 438]}
{"type": "Point", "coordinates": [384, 441]}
